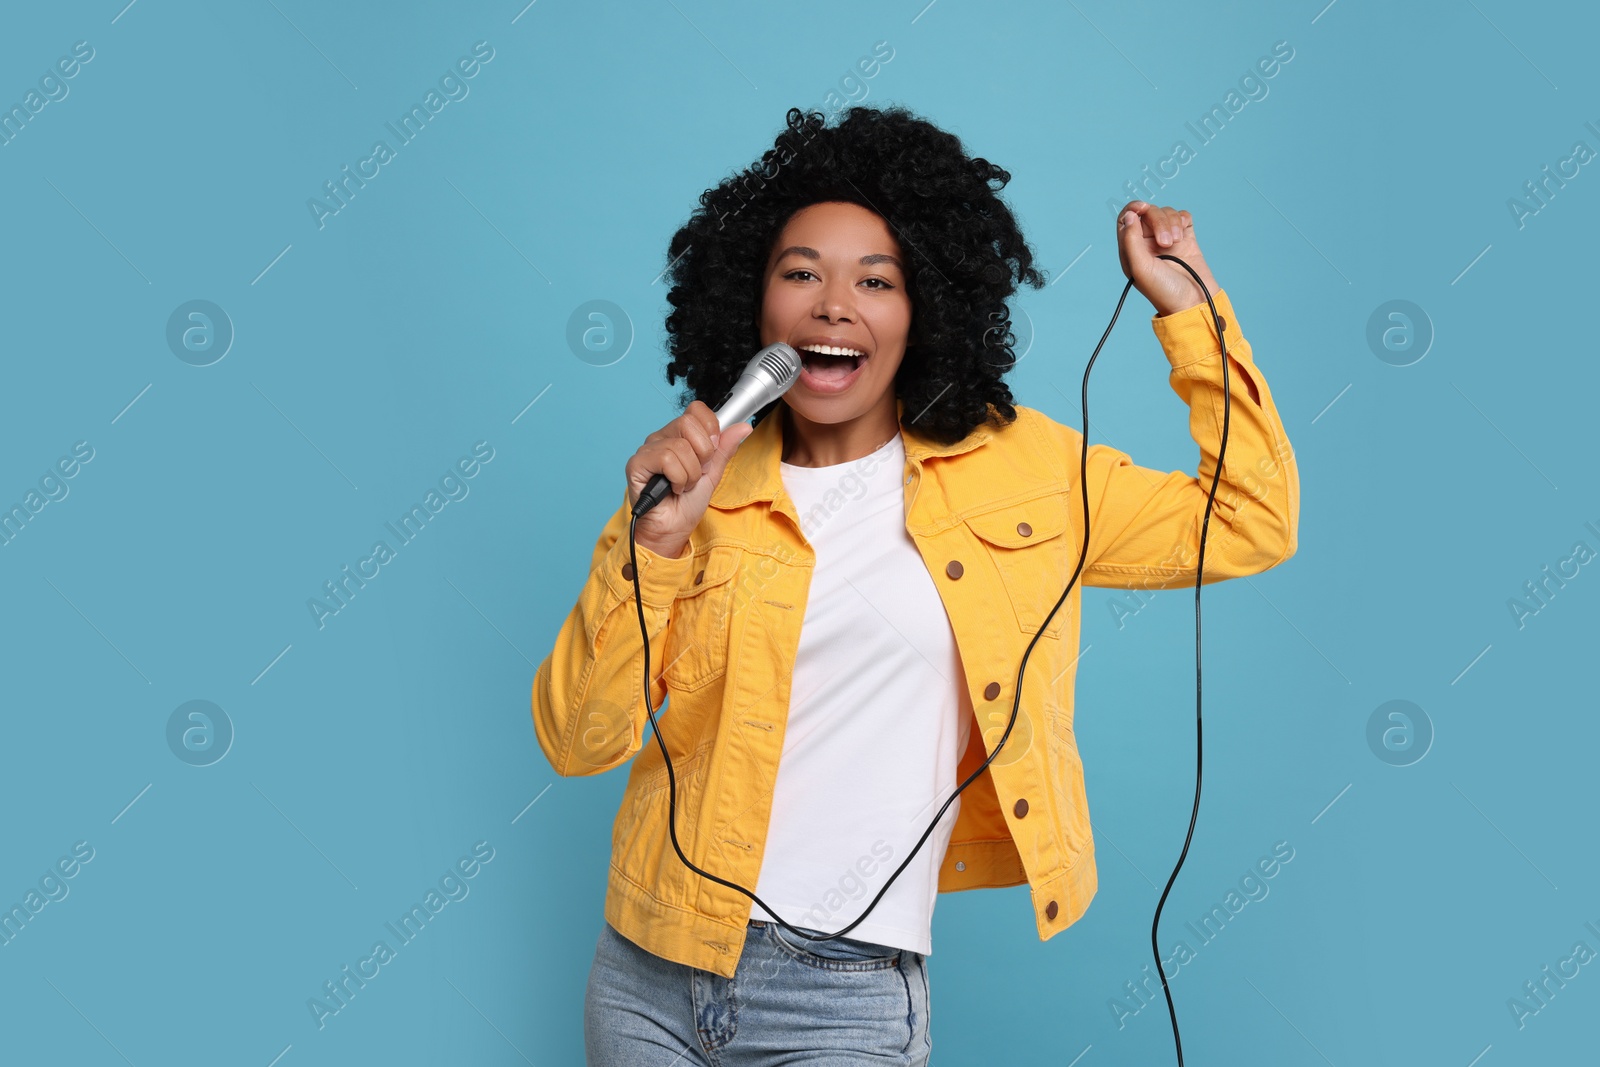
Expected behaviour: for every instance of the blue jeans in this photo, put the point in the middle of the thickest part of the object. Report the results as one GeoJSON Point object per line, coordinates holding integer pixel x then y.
{"type": "Point", "coordinates": [839, 1003]}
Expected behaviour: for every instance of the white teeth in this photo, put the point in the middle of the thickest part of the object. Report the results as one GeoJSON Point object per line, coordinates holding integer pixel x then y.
{"type": "Point", "coordinates": [833, 350]}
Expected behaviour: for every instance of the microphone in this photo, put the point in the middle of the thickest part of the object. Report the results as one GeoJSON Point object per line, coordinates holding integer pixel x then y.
{"type": "Point", "coordinates": [767, 376]}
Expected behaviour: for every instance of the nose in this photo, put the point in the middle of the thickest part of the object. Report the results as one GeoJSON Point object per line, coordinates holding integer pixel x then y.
{"type": "Point", "coordinates": [836, 301]}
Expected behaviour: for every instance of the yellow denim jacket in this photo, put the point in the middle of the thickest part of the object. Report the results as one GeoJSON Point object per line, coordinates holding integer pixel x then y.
{"type": "Point", "coordinates": [996, 518]}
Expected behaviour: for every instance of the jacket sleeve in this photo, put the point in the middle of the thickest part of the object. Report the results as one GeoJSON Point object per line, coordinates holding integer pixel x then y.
{"type": "Point", "coordinates": [588, 703]}
{"type": "Point", "coordinates": [1145, 524]}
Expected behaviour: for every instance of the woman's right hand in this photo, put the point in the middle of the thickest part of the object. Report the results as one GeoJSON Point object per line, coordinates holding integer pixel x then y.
{"type": "Point", "coordinates": [692, 455]}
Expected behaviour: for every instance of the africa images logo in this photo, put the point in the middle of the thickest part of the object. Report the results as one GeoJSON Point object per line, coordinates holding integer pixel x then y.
{"type": "Point", "coordinates": [453, 887]}
{"type": "Point", "coordinates": [452, 84]}
{"type": "Point", "coordinates": [453, 486]}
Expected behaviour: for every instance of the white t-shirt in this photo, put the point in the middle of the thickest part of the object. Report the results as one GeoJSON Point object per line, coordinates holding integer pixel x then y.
{"type": "Point", "coordinates": [878, 716]}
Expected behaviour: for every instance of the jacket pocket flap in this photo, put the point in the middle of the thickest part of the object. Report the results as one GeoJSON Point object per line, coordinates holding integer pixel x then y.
{"type": "Point", "coordinates": [1024, 523]}
{"type": "Point", "coordinates": [711, 569]}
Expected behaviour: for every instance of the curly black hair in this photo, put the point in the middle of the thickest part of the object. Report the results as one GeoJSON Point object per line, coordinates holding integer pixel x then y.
{"type": "Point", "coordinates": [965, 255]}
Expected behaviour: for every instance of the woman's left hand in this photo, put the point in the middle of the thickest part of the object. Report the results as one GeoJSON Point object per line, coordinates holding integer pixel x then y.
{"type": "Point", "coordinates": [1145, 232]}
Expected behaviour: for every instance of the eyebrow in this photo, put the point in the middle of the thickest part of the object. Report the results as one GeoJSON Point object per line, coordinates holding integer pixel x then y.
{"type": "Point", "coordinates": [812, 253]}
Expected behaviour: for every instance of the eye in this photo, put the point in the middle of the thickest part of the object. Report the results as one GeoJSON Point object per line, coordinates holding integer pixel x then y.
{"type": "Point", "coordinates": [881, 283]}
{"type": "Point", "coordinates": [799, 270]}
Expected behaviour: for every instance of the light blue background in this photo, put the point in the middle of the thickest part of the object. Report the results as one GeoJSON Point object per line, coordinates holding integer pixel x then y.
{"type": "Point", "coordinates": [427, 314]}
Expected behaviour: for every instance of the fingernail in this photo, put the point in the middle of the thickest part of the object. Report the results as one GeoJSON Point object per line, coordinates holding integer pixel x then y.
{"type": "Point", "coordinates": [714, 439]}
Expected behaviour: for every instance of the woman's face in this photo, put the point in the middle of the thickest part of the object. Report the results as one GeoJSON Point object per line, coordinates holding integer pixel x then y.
{"type": "Point", "coordinates": [834, 278]}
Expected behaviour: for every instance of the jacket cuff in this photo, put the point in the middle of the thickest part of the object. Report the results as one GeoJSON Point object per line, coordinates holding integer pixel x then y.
{"type": "Point", "coordinates": [1189, 336]}
{"type": "Point", "coordinates": [660, 578]}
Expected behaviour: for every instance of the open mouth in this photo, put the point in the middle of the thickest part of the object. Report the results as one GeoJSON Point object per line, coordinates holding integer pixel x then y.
{"type": "Point", "coordinates": [829, 368]}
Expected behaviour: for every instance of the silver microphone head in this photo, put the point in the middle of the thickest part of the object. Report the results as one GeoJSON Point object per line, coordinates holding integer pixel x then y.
{"type": "Point", "coordinates": [767, 376]}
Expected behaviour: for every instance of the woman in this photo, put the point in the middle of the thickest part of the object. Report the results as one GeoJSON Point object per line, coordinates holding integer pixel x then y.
{"type": "Point", "coordinates": [837, 609]}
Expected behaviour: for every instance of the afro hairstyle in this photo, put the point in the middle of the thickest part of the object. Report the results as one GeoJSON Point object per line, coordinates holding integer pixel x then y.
{"type": "Point", "coordinates": [965, 255]}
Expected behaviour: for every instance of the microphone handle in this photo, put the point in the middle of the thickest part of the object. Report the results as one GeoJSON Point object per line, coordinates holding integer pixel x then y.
{"type": "Point", "coordinates": [657, 488]}
{"type": "Point", "coordinates": [655, 491]}
{"type": "Point", "coordinates": [747, 394]}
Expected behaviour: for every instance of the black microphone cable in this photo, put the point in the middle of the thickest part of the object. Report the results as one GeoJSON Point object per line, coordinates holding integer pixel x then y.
{"type": "Point", "coordinates": [1083, 470]}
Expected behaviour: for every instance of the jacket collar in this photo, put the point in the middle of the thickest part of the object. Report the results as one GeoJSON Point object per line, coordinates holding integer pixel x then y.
{"type": "Point", "coordinates": [752, 474]}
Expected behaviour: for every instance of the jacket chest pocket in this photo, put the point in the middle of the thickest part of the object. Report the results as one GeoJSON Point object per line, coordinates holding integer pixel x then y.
{"type": "Point", "coordinates": [696, 646]}
{"type": "Point", "coordinates": [1028, 544]}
